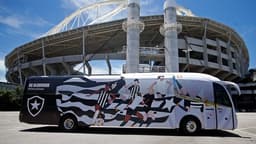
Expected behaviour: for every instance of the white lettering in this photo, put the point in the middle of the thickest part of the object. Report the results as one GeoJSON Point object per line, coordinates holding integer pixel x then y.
{"type": "Point", "coordinates": [39, 85]}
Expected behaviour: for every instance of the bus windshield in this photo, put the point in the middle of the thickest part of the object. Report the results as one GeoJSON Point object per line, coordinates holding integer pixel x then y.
{"type": "Point", "coordinates": [233, 90]}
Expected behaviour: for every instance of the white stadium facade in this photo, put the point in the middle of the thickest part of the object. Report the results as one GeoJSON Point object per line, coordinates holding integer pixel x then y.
{"type": "Point", "coordinates": [157, 43]}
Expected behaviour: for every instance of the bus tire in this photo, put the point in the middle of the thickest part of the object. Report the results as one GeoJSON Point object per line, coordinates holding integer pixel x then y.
{"type": "Point", "coordinates": [68, 123]}
{"type": "Point", "coordinates": [190, 125]}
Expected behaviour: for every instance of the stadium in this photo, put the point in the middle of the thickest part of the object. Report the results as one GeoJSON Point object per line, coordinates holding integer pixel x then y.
{"type": "Point", "coordinates": [204, 45]}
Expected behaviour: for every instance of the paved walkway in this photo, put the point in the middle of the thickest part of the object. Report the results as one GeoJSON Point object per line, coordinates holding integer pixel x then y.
{"type": "Point", "coordinates": [13, 132]}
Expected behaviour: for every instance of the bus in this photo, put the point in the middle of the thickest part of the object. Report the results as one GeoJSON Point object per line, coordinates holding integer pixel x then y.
{"type": "Point", "coordinates": [188, 102]}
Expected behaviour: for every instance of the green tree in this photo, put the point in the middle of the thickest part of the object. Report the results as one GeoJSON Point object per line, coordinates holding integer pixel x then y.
{"type": "Point", "coordinates": [10, 99]}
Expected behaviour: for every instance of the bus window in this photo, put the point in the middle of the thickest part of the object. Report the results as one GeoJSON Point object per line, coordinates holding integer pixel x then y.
{"type": "Point", "coordinates": [221, 96]}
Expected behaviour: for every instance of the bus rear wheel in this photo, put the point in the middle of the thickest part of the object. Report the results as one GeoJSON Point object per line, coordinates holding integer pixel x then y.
{"type": "Point", "coordinates": [68, 123]}
{"type": "Point", "coordinates": [190, 126]}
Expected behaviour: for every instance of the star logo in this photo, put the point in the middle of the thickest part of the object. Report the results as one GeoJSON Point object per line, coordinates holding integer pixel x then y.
{"type": "Point", "coordinates": [35, 105]}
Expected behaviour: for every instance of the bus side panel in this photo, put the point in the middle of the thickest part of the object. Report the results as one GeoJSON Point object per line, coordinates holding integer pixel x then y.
{"type": "Point", "coordinates": [39, 101]}
{"type": "Point", "coordinates": [194, 99]}
{"type": "Point", "coordinates": [137, 102]}
{"type": "Point", "coordinates": [47, 114]}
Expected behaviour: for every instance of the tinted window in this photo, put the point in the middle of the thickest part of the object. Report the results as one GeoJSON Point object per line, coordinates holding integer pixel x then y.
{"type": "Point", "coordinates": [221, 96]}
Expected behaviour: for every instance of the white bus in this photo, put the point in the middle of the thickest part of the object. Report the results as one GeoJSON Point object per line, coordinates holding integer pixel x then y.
{"type": "Point", "coordinates": [185, 101]}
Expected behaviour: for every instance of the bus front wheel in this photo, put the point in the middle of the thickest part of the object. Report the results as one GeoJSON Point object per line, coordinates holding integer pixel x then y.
{"type": "Point", "coordinates": [190, 125]}
{"type": "Point", "coordinates": [68, 123]}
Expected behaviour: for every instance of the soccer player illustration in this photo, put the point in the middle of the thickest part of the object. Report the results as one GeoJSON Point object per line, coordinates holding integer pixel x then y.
{"type": "Point", "coordinates": [134, 89]}
{"type": "Point", "coordinates": [104, 99]}
{"type": "Point", "coordinates": [182, 94]}
{"type": "Point", "coordinates": [134, 100]}
{"type": "Point", "coordinates": [117, 86]}
{"type": "Point", "coordinates": [149, 114]}
{"type": "Point", "coordinates": [160, 89]}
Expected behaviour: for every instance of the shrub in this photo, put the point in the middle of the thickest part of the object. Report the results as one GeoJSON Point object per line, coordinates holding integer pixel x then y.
{"type": "Point", "coordinates": [10, 99]}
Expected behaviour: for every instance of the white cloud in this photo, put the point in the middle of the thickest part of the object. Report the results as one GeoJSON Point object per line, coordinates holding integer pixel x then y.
{"type": "Point", "coordinates": [74, 4]}
{"type": "Point", "coordinates": [19, 21]}
{"type": "Point", "coordinates": [38, 21]}
{"type": "Point", "coordinates": [2, 79]}
{"type": "Point", "coordinates": [19, 25]}
{"type": "Point", "coordinates": [2, 71]}
{"type": "Point", "coordinates": [2, 66]}
{"type": "Point", "coordinates": [23, 32]}
{"type": "Point", "coordinates": [12, 21]}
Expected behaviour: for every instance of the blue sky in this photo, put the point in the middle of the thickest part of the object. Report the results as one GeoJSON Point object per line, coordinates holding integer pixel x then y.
{"type": "Point", "coordinates": [22, 21]}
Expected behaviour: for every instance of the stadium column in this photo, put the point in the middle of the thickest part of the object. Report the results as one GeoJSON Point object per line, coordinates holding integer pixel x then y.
{"type": "Point", "coordinates": [133, 26]}
{"type": "Point", "coordinates": [43, 58]}
{"type": "Point", "coordinates": [230, 61]}
{"type": "Point", "coordinates": [205, 54]}
{"type": "Point", "coordinates": [170, 30]}
{"type": "Point", "coordinates": [219, 57]}
{"type": "Point", "coordinates": [89, 67]}
{"type": "Point", "coordinates": [19, 65]}
{"type": "Point", "coordinates": [187, 51]}
{"type": "Point", "coordinates": [243, 63]}
{"type": "Point", "coordinates": [84, 56]}
{"type": "Point", "coordinates": [237, 62]}
{"type": "Point", "coordinates": [108, 64]}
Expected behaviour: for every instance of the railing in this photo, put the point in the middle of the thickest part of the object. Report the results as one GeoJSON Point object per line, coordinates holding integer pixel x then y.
{"type": "Point", "coordinates": [148, 50]}
{"type": "Point", "coordinates": [146, 68]}
{"type": "Point", "coordinates": [151, 50]}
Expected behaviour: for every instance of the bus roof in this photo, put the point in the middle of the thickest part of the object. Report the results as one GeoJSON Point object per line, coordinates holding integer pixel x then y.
{"type": "Point", "coordinates": [191, 76]}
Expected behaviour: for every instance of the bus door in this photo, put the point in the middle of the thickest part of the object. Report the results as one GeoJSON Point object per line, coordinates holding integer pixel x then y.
{"type": "Point", "coordinates": [223, 108]}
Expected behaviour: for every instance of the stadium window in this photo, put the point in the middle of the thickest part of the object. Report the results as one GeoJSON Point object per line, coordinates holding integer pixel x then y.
{"type": "Point", "coordinates": [223, 50]}
{"type": "Point", "coordinates": [233, 55]}
{"type": "Point", "coordinates": [212, 58]}
{"type": "Point", "coordinates": [211, 47]}
{"type": "Point", "coordinates": [225, 62]}
{"type": "Point", "coordinates": [182, 53]}
{"type": "Point", "coordinates": [196, 55]}
{"type": "Point", "coordinates": [234, 66]}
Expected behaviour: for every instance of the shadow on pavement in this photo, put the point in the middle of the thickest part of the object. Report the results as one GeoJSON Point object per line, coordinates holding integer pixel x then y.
{"type": "Point", "coordinates": [131, 131]}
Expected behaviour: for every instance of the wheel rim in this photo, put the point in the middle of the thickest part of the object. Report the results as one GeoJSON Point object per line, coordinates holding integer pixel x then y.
{"type": "Point", "coordinates": [191, 126]}
{"type": "Point", "coordinates": [69, 124]}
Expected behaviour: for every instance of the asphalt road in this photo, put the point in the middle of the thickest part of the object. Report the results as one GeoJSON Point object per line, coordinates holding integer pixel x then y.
{"type": "Point", "coordinates": [13, 132]}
